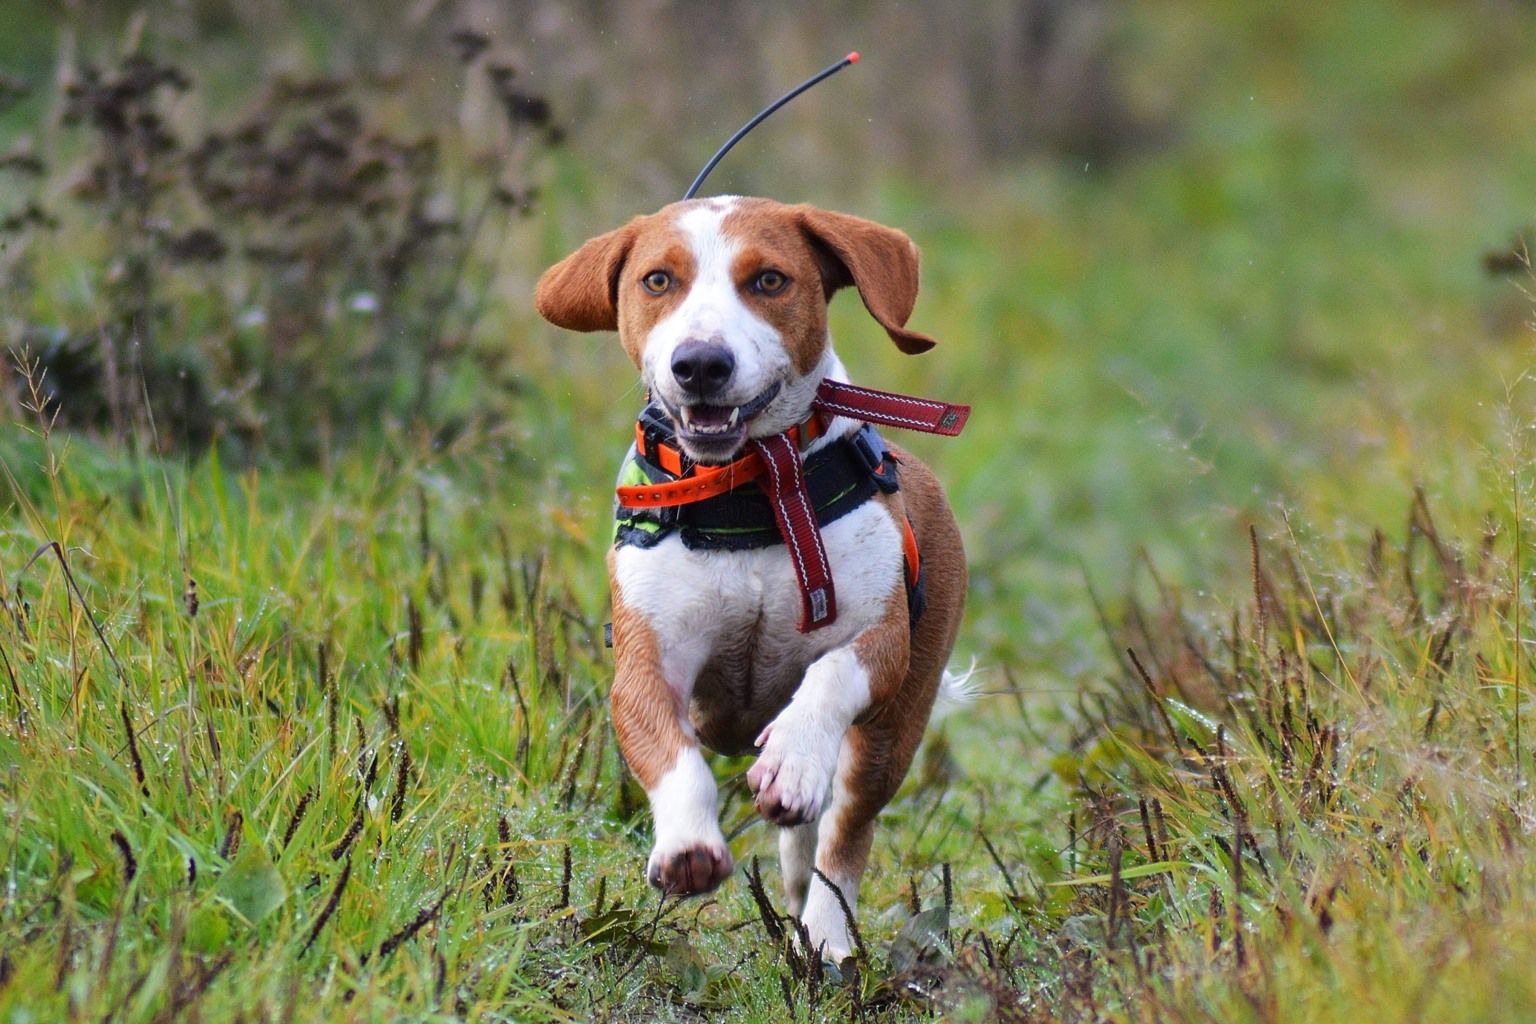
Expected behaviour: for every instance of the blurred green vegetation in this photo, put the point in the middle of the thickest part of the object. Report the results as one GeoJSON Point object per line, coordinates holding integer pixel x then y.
{"type": "Point", "coordinates": [1197, 265]}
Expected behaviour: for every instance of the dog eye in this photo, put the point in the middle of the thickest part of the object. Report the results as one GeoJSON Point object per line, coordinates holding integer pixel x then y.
{"type": "Point", "coordinates": [769, 282]}
{"type": "Point", "coordinates": [656, 282]}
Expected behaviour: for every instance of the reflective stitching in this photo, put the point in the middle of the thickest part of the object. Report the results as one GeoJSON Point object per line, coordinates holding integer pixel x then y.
{"type": "Point", "coordinates": [810, 514]}
{"type": "Point", "coordinates": [877, 407]}
{"type": "Point", "coordinates": [816, 602]}
{"type": "Point", "coordinates": [884, 396]}
{"type": "Point", "coordinates": [857, 413]}
{"type": "Point", "coordinates": [778, 497]}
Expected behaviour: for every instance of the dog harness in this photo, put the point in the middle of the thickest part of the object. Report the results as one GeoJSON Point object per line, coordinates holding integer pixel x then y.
{"type": "Point", "coordinates": [771, 495]}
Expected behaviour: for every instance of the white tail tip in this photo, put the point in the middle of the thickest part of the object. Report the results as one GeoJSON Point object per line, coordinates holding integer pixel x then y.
{"type": "Point", "coordinates": [957, 690]}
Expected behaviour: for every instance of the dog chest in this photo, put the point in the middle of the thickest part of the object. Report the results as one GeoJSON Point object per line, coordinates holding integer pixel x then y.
{"type": "Point", "coordinates": [726, 621]}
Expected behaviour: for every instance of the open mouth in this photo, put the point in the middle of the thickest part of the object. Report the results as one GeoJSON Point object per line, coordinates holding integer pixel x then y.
{"type": "Point", "coordinates": [718, 430]}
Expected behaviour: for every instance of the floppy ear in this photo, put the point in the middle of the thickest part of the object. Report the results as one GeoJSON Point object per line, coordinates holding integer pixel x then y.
{"type": "Point", "coordinates": [580, 293]}
{"type": "Point", "coordinates": [880, 261]}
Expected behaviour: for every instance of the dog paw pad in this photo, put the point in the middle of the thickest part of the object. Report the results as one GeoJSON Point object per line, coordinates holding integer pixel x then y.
{"type": "Point", "coordinates": [689, 870]}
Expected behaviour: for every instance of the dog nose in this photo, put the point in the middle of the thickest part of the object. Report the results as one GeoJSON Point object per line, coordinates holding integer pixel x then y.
{"type": "Point", "coordinates": [702, 366]}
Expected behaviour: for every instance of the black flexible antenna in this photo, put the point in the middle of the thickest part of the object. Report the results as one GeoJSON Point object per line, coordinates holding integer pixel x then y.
{"type": "Point", "coordinates": [827, 72]}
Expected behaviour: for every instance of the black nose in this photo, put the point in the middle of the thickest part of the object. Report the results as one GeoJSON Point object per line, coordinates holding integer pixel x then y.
{"type": "Point", "coordinates": [702, 366]}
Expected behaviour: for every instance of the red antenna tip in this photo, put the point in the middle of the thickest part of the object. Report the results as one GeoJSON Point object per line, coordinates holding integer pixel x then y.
{"type": "Point", "coordinates": [853, 57]}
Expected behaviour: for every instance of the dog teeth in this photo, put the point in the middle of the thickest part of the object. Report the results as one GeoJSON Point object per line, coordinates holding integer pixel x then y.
{"type": "Point", "coordinates": [709, 423]}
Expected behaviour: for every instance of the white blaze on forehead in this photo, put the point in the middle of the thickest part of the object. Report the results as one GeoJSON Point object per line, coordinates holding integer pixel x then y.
{"type": "Point", "coordinates": [712, 310]}
{"type": "Point", "coordinates": [713, 252]}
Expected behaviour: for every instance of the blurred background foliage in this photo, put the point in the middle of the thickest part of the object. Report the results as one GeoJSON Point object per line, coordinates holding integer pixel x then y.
{"type": "Point", "coordinates": [1199, 266]}
{"type": "Point", "coordinates": [1181, 255]}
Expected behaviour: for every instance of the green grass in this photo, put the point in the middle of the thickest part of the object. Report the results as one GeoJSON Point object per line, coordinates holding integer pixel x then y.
{"type": "Point", "coordinates": [407, 647]}
{"type": "Point", "coordinates": [234, 724]}
{"type": "Point", "coordinates": [368, 773]}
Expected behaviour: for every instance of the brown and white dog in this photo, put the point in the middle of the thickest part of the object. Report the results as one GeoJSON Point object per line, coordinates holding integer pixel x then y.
{"type": "Point", "coordinates": [722, 305]}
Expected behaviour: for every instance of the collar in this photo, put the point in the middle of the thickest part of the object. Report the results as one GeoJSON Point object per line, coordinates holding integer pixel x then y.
{"type": "Point", "coordinates": [775, 464]}
{"type": "Point", "coordinates": [694, 482]}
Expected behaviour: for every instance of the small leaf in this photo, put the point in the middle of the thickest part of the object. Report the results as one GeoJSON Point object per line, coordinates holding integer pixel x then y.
{"type": "Point", "coordinates": [252, 886]}
{"type": "Point", "coordinates": [621, 926]}
{"type": "Point", "coordinates": [921, 940]}
{"type": "Point", "coordinates": [685, 961]}
{"type": "Point", "coordinates": [700, 985]}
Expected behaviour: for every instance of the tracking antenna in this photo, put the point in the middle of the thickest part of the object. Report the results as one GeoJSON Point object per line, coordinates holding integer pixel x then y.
{"type": "Point", "coordinates": [827, 72]}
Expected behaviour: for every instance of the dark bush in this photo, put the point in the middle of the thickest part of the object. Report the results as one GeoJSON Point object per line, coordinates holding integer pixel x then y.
{"type": "Point", "coordinates": [309, 269]}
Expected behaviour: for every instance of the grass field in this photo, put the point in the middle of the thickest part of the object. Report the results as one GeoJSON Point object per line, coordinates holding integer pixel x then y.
{"type": "Point", "coordinates": [1247, 496]}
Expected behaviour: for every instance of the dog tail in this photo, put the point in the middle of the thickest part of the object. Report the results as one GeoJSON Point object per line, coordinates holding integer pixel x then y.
{"type": "Point", "coordinates": [957, 690]}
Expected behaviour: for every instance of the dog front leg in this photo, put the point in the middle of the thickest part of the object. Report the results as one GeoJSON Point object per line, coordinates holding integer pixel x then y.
{"type": "Point", "coordinates": [650, 715]}
{"type": "Point", "coordinates": [792, 778]}
{"type": "Point", "coordinates": [793, 775]}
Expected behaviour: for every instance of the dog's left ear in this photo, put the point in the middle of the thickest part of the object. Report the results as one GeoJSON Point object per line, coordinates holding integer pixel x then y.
{"type": "Point", "coordinates": [581, 292]}
{"type": "Point", "coordinates": [880, 261]}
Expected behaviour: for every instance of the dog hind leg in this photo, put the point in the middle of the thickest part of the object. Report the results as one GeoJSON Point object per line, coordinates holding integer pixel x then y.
{"type": "Point", "coordinates": [871, 766]}
{"type": "Point", "coordinates": [797, 854]}
{"type": "Point", "coordinates": [844, 836]}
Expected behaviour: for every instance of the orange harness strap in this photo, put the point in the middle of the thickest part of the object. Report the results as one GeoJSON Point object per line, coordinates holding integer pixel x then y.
{"type": "Point", "coordinates": [914, 558]}
{"type": "Point", "coordinates": [706, 482]}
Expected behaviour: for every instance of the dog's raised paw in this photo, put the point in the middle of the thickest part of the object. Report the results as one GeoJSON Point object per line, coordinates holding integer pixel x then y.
{"type": "Point", "coordinates": [789, 784]}
{"type": "Point", "coordinates": [689, 870]}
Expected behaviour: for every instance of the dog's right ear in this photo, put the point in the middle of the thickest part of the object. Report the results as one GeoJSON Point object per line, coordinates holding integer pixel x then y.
{"type": "Point", "coordinates": [581, 292]}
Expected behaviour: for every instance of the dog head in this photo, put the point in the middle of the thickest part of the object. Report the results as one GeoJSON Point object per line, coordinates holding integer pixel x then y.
{"type": "Point", "coordinates": [722, 305]}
